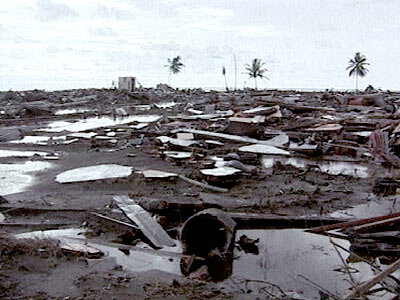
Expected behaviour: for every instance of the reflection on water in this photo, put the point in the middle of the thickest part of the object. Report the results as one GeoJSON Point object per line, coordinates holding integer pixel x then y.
{"type": "Point", "coordinates": [285, 254]}
{"type": "Point", "coordinates": [139, 261]}
{"type": "Point", "coordinates": [135, 261]}
{"type": "Point", "coordinates": [71, 111]}
{"type": "Point", "coordinates": [97, 122]}
{"type": "Point", "coordinates": [329, 167]}
{"type": "Point", "coordinates": [369, 210]}
{"type": "Point", "coordinates": [15, 153]}
{"type": "Point", "coordinates": [15, 178]}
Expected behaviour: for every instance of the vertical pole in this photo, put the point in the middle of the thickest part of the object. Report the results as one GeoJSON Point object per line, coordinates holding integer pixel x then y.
{"type": "Point", "coordinates": [234, 58]}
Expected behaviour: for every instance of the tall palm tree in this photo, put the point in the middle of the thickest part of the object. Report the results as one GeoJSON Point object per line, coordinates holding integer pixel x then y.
{"type": "Point", "coordinates": [256, 70]}
{"type": "Point", "coordinates": [174, 66]}
{"type": "Point", "coordinates": [357, 66]}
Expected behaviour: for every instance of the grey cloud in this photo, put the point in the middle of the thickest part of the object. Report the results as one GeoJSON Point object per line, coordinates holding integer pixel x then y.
{"type": "Point", "coordinates": [113, 13]}
{"type": "Point", "coordinates": [48, 11]}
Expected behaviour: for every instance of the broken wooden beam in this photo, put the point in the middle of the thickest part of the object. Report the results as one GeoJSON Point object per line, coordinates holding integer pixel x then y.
{"type": "Point", "coordinates": [114, 220]}
{"type": "Point", "coordinates": [363, 288]}
{"type": "Point", "coordinates": [352, 223]}
{"type": "Point", "coordinates": [260, 220]}
{"type": "Point", "coordinates": [234, 138]}
{"type": "Point", "coordinates": [204, 185]}
{"type": "Point", "coordinates": [376, 225]}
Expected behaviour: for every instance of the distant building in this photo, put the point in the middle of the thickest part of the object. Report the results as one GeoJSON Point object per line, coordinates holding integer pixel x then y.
{"type": "Point", "coordinates": [126, 83]}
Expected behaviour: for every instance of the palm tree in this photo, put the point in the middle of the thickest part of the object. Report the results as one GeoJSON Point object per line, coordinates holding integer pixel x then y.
{"type": "Point", "coordinates": [174, 66]}
{"type": "Point", "coordinates": [357, 66]}
{"type": "Point", "coordinates": [256, 70]}
{"type": "Point", "coordinates": [224, 74]}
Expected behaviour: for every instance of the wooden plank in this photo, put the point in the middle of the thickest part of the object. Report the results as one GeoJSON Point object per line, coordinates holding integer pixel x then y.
{"type": "Point", "coordinates": [234, 138]}
{"type": "Point", "coordinates": [364, 287]}
{"type": "Point", "coordinates": [377, 225]}
{"type": "Point", "coordinates": [352, 223]}
{"type": "Point", "coordinates": [114, 220]}
{"type": "Point", "coordinates": [204, 185]}
{"type": "Point", "coordinates": [260, 220]}
{"type": "Point", "coordinates": [149, 227]}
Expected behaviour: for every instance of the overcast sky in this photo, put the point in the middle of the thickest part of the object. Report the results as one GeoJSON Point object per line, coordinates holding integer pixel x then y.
{"type": "Point", "coordinates": [57, 44]}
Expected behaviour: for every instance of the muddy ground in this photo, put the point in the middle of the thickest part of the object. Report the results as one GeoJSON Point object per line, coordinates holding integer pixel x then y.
{"type": "Point", "coordinates": [331, 130]}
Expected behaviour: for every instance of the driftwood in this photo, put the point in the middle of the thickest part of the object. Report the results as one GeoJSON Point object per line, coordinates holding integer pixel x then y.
{"type": "Point", "coordinates": [352, 223]}
{"type": "Point", "coordinates": [364, 287]}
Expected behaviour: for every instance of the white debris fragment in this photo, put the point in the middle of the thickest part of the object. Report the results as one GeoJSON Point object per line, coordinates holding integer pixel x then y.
{"type": "Point", "coordinates": [165, 105]}
{"type": "Point", "coordinates": [83, 135]}
{"type": "Point", "coordinates": [221, 171]}
{"type": "Point", "coordinates": [263, 149]}
{"type": "Point", "coordinates": [158, 174]}
{"type": "Point", "coordinates": [14, 153]}
{"type": "Point", "coordinates": [98, 122]}
{"type": "Point", "coordinates": [96, 172]}
{"type": "Point", "coordinates": [178, 154]}
{"type": "Point", "coordinates": [177, 142]}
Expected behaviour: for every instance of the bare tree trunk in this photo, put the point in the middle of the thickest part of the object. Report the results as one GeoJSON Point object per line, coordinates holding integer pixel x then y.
{"type": "Point", "coordinates": [255, 82]}
{"type": "Point", "coordinates": [356, 81]}
{"type": "Point", "coordinates": [226, 84]}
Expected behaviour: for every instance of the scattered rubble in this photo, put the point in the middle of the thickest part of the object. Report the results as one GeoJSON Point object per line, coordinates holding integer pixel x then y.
{"type": "Point", "coordinates": [198, 172]}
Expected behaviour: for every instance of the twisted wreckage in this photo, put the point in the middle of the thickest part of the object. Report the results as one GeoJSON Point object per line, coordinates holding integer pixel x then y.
{"type": "Point", "coordinates": [97, 177]}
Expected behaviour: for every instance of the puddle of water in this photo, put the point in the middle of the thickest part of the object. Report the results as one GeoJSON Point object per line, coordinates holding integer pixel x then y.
{"type": "Point", "coordinates": [15, 178]}
{"type": "Point", "coordinates": [94, 173]}
{"type": "Point", "coordinates": [329, 167]}
{"type": "Point", "coordinates": [13, 153]}
{"type": "Point", "coordinates": [97, 122]}
{"type": "Point", "coordinates": [38, 140]}
{"type": "Point", "coordinates": [136, 261]}
{"type": "Point", "coordinates": [139, 261]}
{"type": "Point", "coordinates": [285, 254]}
{"type": "Point", "coordinates": [71, 111]}
{"type": "Point", "coordinates": [369, 210]}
